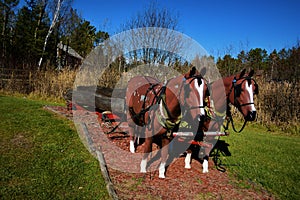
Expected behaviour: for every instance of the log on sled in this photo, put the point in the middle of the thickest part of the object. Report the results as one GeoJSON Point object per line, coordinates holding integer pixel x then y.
{"type": "Point", "coordinates": [97, 98]}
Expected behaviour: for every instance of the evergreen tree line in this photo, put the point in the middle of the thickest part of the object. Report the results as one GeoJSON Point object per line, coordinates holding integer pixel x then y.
{"type": "Point", "coordinates": [283, 65]}
{"type": "Point", "coordinates": [24, 29]}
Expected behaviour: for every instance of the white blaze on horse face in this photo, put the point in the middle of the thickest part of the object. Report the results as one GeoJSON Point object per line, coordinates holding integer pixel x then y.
{"type": "Point", "coordinates": [249, 89]}
{"type": "Point", "coordinates": [200, 90]}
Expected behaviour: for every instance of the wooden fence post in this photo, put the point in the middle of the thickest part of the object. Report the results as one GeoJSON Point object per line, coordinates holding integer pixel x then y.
{"type": "Point", "coordinates": [102, 162]}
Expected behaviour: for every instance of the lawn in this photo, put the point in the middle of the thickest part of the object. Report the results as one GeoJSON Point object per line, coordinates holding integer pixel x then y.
{"type": "Point", "coordinates": [271, 160]}
{"type": "Point", "coordinates": [42, 156]}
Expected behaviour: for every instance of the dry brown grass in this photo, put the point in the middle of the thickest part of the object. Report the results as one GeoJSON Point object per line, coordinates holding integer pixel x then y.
{"type": "Point", "coordinates": [52, 83]}
{"type": "Point", "coordinates": [277, 104]}
{"type": "Point", "coordinates": [48, 84]}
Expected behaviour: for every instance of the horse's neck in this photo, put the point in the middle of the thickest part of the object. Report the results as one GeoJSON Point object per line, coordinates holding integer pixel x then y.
{"type": "Point", "coordinates": [172, 96]}
{"type": "Point", "coordinates": [220, 90]}
{"type": "Point", "coordinates": [227, 81]}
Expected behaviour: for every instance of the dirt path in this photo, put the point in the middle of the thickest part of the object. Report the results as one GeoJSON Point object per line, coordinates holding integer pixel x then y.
{"type": "Point", "coordinates": [180, 183]}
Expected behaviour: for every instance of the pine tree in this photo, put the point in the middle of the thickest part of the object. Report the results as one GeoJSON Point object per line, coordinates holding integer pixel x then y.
{"type": "Point", "coordinates": [7, 18]}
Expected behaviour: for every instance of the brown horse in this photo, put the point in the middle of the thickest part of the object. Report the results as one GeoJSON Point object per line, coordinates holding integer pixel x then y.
{"type": "Point", "coordinates": [237, 90]}
{"type": "Point", "coordinates": [157, 109]}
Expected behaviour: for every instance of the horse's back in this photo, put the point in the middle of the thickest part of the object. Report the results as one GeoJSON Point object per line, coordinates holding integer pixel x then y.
{"type": "Point", "coordinates": [140, 95]}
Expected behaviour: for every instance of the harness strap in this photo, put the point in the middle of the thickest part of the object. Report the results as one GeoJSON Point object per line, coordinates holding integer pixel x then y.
{"type": "Point", "coordinates": [138, 118]}
{"type": "Point", "coordinates": [246, 104]}
{"type": "Point", "coordinates": [230, 119]}
{"type": "Point", "coordinates": [233, 88]}
{"type": "Point", "coordinates": [163, 116]}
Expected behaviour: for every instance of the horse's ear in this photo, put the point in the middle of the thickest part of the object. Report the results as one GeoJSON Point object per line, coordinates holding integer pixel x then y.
{"type": "Point", "coordinates": [203, 71]}
{"type": "Point", "coordinates": [242, 73]}
{"type": "Point", "coordinates": [251, 73]}
{"type": "Point", "coordinates": [192, 72]}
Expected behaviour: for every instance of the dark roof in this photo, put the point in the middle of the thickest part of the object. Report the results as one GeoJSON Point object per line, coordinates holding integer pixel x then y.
{"type": "Point", "coordinates": [71, 51]}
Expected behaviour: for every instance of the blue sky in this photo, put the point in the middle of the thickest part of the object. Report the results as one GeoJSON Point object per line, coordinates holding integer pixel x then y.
{"type": "Point", "coordinates": [220, 26]}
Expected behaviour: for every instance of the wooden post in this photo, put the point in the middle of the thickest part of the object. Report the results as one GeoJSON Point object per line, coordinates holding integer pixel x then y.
{"type": "Point", "coordinates": [109, 186]}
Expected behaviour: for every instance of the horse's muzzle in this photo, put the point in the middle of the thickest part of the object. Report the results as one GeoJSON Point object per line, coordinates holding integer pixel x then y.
{"type": "Point", "coordinates": [200, 119]}
{"type": "Point", "coordinates": [251, 116]}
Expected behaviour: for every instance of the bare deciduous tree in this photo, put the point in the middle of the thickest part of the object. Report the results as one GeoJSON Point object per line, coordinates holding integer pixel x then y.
{"type": "Point", "coordinates": [152, 30]}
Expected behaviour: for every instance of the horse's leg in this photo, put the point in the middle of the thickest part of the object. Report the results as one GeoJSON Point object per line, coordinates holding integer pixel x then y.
{"type": "Point", "coordinates": [131, 131]}
{"type": "Point", "coordinates": [132, 139]}
{"type": "Point", "coordinates": [188, 159]}
{"type": "Point", "coordinates": [205, 165]}
{"type": "Point", "coordinates": [147, 150]}
{"type": "Point", "coordinates": [207, 151]}
{"type": "Point", "coordinates": [164, 156]}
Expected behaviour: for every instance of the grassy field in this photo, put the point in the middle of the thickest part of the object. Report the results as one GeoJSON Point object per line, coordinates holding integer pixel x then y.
{"type": "Point", "coordinates": [260, 158]}
{"type": "Point", "coordinates": [42, 156]}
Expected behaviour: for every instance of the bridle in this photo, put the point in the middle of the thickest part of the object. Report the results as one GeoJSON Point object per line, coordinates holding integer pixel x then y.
{"type": "Point", "coordinates": [186, 86]}
{"type": "Point", "coordinates": [237, 89]}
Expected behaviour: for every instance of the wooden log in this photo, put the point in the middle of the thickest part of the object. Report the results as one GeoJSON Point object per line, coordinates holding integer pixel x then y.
{"type": "Point", "coordinates": [94, 98]}
{"type": "Point", "coordinates": [103, 167]}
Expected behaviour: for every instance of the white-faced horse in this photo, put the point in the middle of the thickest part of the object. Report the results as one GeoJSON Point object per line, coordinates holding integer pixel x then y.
{"type": "Point", "coordinates": [239, 92]}
{"type": "Point", "coordinates": [157, 110]}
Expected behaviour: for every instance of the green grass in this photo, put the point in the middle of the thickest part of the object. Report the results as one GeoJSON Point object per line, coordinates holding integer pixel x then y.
{"type": "Point", "coordinates": [42, 156]}
{"type": "Point", "coordinates": [270, 160]}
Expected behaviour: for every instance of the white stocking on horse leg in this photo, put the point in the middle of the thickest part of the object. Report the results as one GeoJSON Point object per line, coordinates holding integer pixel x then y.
{"type": "Point", "coordinates": [131, 147]}
{"type": "Point", "coordinates": [188, 161]}
{"type": "Point", "coordinates": [143, 165]}
{"type": "Point", "coordinates": [162, 170]}
{"type": "Point", "coordinates": [205, 166]}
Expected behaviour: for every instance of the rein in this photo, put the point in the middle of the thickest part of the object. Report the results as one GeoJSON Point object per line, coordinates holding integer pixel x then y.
{"type": "Point", "coordinates": [235, 88]}
{"type": "Point", "coordinates": [229, 115]}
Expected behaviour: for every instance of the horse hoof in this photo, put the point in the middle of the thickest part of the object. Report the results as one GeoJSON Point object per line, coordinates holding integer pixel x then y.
{"type": "Point", "coordinates": [187, 166]}
{"type": "Point", "coordinates": [132, 150]}
{"type": "Point", "coordinates": [205, 171]}
{"type": "Point", "coordinates": [162, 176]}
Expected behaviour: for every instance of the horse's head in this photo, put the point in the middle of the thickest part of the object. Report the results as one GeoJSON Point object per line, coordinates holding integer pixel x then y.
{"type": "Point", "coordinates": [241, 94]}
{"type": "Point", "coordinates": [195, 93]}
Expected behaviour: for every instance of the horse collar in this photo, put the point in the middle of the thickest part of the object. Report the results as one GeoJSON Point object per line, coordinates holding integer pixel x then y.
{"type": "Point", "coordinates": [163, 115]}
